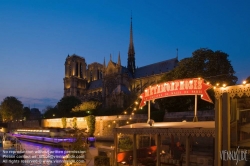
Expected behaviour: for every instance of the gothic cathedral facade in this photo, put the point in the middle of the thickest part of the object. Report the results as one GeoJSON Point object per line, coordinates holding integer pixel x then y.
{"type": "Point", "coordinates": [112, 84]}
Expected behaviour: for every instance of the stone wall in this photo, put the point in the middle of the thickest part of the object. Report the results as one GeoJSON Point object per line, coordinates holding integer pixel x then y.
{"type": "Point", "coordinates": [105, 124]}
{"type": "Point", "coordinates": [103, 127]}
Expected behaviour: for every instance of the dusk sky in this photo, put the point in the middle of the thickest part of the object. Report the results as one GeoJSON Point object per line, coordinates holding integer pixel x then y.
{"type": "Point", "coordinates": [37, 35]}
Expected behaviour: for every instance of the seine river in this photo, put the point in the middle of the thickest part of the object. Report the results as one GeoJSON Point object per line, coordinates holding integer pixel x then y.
{"type": "Point", "coordinates": [39, 154]}
{"type": "Point", "coordinates": [45, 155]}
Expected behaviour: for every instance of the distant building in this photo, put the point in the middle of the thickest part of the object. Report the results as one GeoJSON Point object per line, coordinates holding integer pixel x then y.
{"type": "Point", "coordinates": [112, 84]}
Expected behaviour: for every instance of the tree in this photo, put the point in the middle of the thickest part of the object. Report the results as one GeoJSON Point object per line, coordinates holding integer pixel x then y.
{"type": "Point", "coordinates": [11, 109]}
{"type": "Point", "coordinates": [87, 106]}
{"type": "Point", "coordinates": [64, 122]}
{"type": "Point", "coordinates": [248, 79]}
{"type": "Point", "coordinates": [51, 112]}
{"type": "Point", "coordinates": [35, 114]}
{"type": "Point", "coordinates": [78, 147]}
{"type": "Point", "coordinates": [91, 125]}
{"type": "Point", "coordinates": [213, 66]}
{"type": "Point", "coordinates": [26, 113]}
{"type": "Point", "coordinates": [125, 143]}
{"type": "Point", "coordinates": [66, 104]}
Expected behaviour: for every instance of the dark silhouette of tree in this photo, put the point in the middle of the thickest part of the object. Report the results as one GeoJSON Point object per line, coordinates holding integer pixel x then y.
{"type": "Point", "coordinates": [51, 112]}
{"type": "Point", "coordinates": [66, 104]}
{"type": "Point", "coordinates": [212, 66]}
{"type": "Point", "coordinates": [11, 109]}
{"type": "Point", "coordinates": [26, 113]}
{"type": "Point", "coordinates": [248, 79]}
{"type": "Point", "coordinates": [35, 114]}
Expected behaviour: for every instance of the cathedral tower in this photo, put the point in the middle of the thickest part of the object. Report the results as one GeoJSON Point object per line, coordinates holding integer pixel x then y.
{"type": "Point", "coordinates": [75, 76]}
{"type": "Point", "coordinates": [131, 52]}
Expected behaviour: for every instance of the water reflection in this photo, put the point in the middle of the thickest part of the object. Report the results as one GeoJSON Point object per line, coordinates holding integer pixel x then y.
{"type": "Point", "coordinates": [39, 154]}
{"type": "Point", "coordinates": [46, 155]}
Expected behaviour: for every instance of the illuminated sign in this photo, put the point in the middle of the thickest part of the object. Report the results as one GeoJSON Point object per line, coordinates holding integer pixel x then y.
{"type": "Point", "coordinates": [194, 86]}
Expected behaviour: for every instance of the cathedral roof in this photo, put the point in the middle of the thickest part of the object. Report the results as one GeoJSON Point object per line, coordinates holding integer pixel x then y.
{"type": "Point", "coordinates": [95, 84]}
{"type": "Point", "coordinates": [156, 68]}
{"type": "Point", "coordinates": [125, 70]}
{"type": "Point", "coordinates": [121, 88]}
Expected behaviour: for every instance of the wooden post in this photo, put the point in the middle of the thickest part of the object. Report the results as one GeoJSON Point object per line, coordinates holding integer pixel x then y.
{"type": "Point", "coordinates": [158, 145]}
{"type": "Point", "coordinates": [187, 151]}
{"type": "Point", "coordinates": [134, 151]}
{"type": "Point", "coordinates": [115, 148]}
{"type": "Point", "coordinates": [148, 111]}
{"type": "Point", "coordinates": [226, 125]}
{"type": "Point", "coordinates": [218, 131]}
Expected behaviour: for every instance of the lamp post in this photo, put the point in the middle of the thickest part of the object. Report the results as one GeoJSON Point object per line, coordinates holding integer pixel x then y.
{"type": "Point", "coordinates": [148, 111]}
{"type": "Point", "coordinates": [195, 110]}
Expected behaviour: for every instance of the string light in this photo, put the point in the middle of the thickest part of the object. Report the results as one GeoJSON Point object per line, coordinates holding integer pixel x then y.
{"type": "Point", "coordinates": [134, 106]}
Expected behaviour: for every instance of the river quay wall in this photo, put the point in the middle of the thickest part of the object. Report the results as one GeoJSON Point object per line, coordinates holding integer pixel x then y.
{"type": "Point", "coordinates": [104, 124]}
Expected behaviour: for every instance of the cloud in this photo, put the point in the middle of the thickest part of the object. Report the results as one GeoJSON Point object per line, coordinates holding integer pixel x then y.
{"type": "Point", "coordinates": [40, 103]}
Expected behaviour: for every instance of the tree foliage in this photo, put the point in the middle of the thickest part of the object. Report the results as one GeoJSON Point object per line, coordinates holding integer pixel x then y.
{"type": "Point", "coordinates": [79, 145]}
{"type": "Point", "coordinates": [11, 109]}
{"type": "Point", "coordinates": [66, 104]}
{"type": "Point", "coordinates": [125, 143]}
{"type": "Point", "coordinates": [91, 125]}
{"type": "Point", "coordinates": [248, 79]}
{"type": "Point", "coordinates": [74, 123]}
{"type": "Point", "coordinates": [35, 114]}
{"type": "Point", "coordinates": [51, 112]}
{"type": "Point", "coordinates": [213, 66]}
{"type": "Point", "coordinates": [64, 122]}
{"type": "Point", "coordinates": [26, 113]}
{"type": "Point", "coordinates": [87, 106]}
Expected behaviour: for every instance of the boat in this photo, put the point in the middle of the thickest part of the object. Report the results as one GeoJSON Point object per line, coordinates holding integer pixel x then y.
{"type": "Point", "coordinates": [11, 148]}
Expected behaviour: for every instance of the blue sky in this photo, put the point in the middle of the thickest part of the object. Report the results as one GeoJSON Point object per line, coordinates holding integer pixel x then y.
{"type": "Point", "coordinates": [37, 35]}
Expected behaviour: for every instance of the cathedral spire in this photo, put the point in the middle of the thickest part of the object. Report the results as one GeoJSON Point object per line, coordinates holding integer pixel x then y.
{"type": "Point", "coordinates": [131, 51]}
{"type": "Point", "coordinates": [104, 63]}
{"type": "Point", "coordinates": [119, 59]}
{"type": "Point", "coordinates": [177, 53]}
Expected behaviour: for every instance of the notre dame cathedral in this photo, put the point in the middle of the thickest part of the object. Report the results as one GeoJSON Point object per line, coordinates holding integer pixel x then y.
{"type": "Point", "coordinates": [111, 83]}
